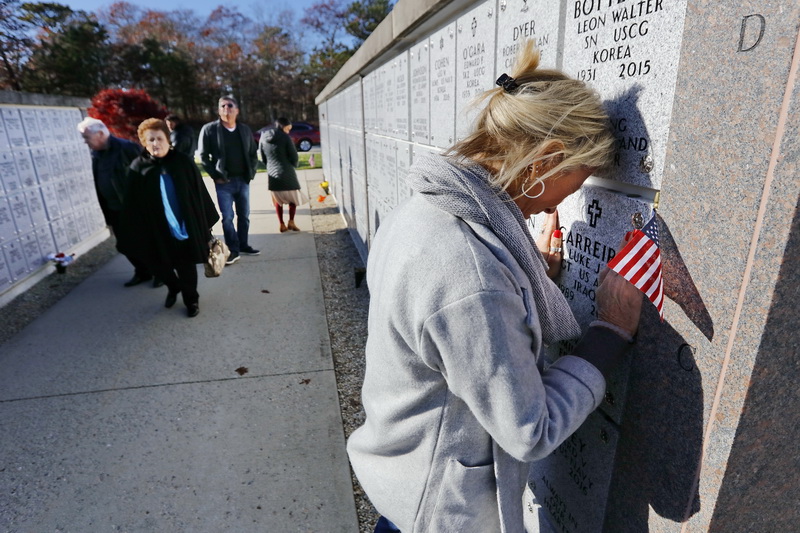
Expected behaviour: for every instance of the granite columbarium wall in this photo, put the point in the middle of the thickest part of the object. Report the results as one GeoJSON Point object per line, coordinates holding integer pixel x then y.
{"type": "Point", "coordinates": [697, 431]}
{"type": "Point", "coordinates": [47, 197]}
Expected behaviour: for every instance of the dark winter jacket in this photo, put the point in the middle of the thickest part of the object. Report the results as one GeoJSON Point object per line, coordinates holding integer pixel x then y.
{"type": "Point", "coordinates": [147, 235]}
{"type": "Point", "coordinates": [119, 155]}
{"type": "Point", "coordinates": [183, 140]}
{"type": "Point", "coordinates": [211, 147]}
{"type": "Point", "coordinates": [280, 157]}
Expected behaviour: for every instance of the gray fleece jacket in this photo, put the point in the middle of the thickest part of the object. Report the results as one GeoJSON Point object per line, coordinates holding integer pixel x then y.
{"type": "Point", "coordinates": [457, 398]}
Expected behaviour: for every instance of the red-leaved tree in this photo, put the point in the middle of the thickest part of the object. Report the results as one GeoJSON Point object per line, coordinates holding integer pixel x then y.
{"type": "Point", "coordinates": [122, 110]}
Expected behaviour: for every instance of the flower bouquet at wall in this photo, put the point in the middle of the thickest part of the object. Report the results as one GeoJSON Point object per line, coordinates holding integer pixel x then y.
{"type": "Point", "coordinates": [324, 186]}
{"type": "Point", "coordinates": [61, 261]}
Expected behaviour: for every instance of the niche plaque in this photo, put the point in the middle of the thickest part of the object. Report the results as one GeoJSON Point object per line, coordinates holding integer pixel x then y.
{"type": "Point", "coordinates": [593, 222]}
{"type": "Point", "coordinates": [521, 20]}
{"type": "Point", "coordinates": [569, 487]}
{"type": "Point", "coordinates": [629, 52]}
{"type": "Point", "coordinates": [419, 69]}
{"type": "Point", "coordinates": [443, 86]}
{"type": "Point", "coordinates": [475, 44]}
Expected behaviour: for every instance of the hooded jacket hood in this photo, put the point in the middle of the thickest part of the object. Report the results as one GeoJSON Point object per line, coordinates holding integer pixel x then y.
{"type": "Point", "coordinates": [270, 135]}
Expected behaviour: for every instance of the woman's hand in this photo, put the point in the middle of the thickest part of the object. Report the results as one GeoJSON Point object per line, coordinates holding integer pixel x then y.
{"type": "Point", "coordinates": [618, 301]}
{"type": "Point", "coordinates": [549, 243]}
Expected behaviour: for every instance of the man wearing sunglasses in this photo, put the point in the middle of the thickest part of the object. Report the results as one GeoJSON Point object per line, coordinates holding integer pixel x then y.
{"type": "Point", "coordinates": [228, 153]}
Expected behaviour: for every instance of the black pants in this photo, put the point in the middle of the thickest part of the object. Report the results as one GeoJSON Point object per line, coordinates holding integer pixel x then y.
{"type": "Point", "coordinates": [179, 272]}
{"type": "Point", "coordinates": [181, 277]}
{"type": "Point", "coordinates": [139, 267]}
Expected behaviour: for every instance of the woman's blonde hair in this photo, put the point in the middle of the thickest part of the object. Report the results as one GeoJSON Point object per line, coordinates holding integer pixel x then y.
{"type": "Point", "coordinates": [152, 124]}
{"type": "Point", "coordinates": [549, 121]}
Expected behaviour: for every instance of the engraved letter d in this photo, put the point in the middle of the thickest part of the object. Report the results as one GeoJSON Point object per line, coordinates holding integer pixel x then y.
{"type": "Point", "coordinates": [745, 20]}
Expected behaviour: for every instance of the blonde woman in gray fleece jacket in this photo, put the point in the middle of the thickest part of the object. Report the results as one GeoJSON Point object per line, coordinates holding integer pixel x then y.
{"type": "Point", "coordinates": [457, 400]}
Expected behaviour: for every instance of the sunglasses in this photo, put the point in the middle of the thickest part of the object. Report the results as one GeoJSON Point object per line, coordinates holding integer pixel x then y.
{"type": "Point", "coordinates": [227, 105]}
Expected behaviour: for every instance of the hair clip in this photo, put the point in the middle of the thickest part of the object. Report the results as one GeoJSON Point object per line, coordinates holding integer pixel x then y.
{"type": "Point", "coordinates": [507, 82]}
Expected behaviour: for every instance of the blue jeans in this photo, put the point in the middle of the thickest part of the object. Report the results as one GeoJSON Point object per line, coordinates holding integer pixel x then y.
{"type": "Point", "coordinates": [234, 192]}
{"type": "Point", "coordinates": [385, 526]}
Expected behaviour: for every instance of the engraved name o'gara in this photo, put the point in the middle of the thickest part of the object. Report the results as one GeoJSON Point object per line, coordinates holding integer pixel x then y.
{"type": "Point", "coordinates": [473, 50]}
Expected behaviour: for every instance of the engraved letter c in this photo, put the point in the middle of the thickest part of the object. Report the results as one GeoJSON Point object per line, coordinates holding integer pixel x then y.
{"type": "Point", "coordinates": [745, 20]}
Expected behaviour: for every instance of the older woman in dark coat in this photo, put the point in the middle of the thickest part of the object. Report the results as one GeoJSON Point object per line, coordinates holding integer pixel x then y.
{"type": "Point", "coordinates": [280, 157]}
{"type": "Point", "coordinates": [168, 214]}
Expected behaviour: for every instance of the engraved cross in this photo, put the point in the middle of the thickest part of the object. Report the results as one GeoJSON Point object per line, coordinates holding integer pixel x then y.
{"type": "Point", "coordinates": [595, 212]}
{"type": "Point", "coordinates": [474, 25]}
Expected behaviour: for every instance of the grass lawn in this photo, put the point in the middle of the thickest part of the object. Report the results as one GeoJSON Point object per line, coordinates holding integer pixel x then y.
{"type": "Point", "coordinates": [303, 164]}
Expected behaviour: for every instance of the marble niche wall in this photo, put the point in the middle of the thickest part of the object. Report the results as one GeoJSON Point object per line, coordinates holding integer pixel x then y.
{"type": "Point", "coordinates": [47, 198]}
{"type": "Point", "coordinates": [703, 100]}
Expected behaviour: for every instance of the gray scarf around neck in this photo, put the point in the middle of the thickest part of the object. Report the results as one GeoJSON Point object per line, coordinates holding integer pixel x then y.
{"type": "Point", "coordinates": [465, 192]}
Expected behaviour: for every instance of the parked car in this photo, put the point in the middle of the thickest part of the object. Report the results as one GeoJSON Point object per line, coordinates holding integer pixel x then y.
{"type": "Point", "coordinates": [303, 134]}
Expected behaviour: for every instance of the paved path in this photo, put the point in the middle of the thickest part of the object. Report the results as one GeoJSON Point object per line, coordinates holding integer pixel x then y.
{"type": "Point", "coordinates": [117, 414]}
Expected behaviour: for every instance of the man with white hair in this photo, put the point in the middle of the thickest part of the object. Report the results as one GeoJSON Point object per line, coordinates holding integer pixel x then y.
{"type": "Point", "coordinates": [111, 159]}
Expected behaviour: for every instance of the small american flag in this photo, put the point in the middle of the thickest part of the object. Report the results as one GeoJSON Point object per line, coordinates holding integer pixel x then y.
{"type": "Point", "coordinates": [640, 263]}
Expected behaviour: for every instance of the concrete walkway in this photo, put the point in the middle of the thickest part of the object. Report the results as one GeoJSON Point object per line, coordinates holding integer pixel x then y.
{"type": "Point", "coordinates": [117, 414]}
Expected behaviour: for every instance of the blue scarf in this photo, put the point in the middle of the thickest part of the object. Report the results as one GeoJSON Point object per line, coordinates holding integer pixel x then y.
{"type": "Point", "coordinates": [172, 209]}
